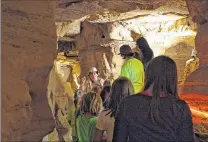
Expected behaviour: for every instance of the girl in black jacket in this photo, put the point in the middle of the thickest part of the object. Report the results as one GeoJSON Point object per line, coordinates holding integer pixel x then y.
{"type": "Point", "coordinates": [156, 114]}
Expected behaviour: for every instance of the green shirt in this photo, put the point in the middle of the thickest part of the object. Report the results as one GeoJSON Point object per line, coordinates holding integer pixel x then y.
{"type": "Point", "coordinates": [133, 69]}
{"type": "Point", "coordinates": [86, 128]}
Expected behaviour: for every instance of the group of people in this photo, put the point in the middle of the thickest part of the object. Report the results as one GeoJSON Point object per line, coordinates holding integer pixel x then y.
{"type": "Point", "coordinates": [143, 104]}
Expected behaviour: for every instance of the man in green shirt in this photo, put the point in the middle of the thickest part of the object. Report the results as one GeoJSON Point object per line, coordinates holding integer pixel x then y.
{"type": "Point", "coordinates": [132, 68]}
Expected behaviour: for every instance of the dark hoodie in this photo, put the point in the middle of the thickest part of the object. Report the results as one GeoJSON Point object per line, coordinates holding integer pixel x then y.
{"type": "Point", "coordinates": [147, 53]}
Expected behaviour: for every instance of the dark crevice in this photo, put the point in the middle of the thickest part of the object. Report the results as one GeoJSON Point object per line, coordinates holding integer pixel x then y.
{"type": "Point", "coordinates": [51, 97]}
{"type": "Point", "coordinates": [32, 94]}
{"type": "Point", "coordinates": [16, 12]}
{"type": "Point", "coordinates": [70, 3]}
{"type": "Point", "coordinates": [35, 41]}
{"type": "Point", "coordinates": [16, 46]}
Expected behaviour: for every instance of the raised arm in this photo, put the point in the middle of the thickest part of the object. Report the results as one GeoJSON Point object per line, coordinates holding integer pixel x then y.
{"type": "Point", "coordinates": [84, 87]}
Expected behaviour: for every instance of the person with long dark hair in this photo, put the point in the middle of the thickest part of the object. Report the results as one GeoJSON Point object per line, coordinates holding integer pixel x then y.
{"type": "Point", "coordinates": [121, 87]}
{"type": "Point", "coordinates": [104, 95]}
{"type": "Point", "coordinates": [156, 114]}
{"type": "Point", "coordinates": [145, 52]}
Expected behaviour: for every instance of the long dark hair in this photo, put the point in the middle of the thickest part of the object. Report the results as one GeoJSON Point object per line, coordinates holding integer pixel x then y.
{"type": "Point", "coordinates": [121, 87]}
{"type": "Point", "coordinates": [103, 93]}
{"type": "Point", "coordinates": [146, 50]}
{"type": "Point", "coordinates": [162, 74]}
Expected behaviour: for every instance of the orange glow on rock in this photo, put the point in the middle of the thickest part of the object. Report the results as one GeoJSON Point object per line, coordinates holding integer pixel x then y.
{"type": "Point", "coordinates": [199, 106]}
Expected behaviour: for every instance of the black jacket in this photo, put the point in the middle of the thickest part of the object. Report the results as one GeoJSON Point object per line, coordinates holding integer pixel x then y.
{"type": "Point", "coordinates": [132, 122]}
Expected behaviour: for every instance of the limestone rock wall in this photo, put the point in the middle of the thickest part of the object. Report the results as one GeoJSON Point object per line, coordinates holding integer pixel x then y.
{"type": "Point", "coordinates": [60, 97]}
{"type": "Point", "coordinates": [167, 34]}
{"type": "Point", "coordinates": [197, 82]}
{"type": "Point", "coordinates": [70, 10]}
{"type": "Point", "coordinates": [198, 10]}
{"type": "Point", "coordinates": [68, 28]}
{"type": "Point", "coordinates": [28, 52]}
{"type": "Point", "coordinates": [164, 23]}
{"type": "Point", "coordinates": [106, 25]}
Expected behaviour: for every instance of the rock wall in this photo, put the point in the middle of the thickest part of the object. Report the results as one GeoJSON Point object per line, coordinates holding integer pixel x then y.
{"type": "Point", "coordinates": [69, 13]}
{"type": "Point", "coordinates": [105, 25]}
{"type": "Point", "coordinates": [67, 10]}
{"type": "Point", "coordinates": [28, 52]}
{"type": "Point", "coordinates": [167, 34]}
{"type": "Point", "coordinates": [60, 97]}
{"type": "Point", "coordinates": [198, 10]}
{"type": "Point", "coordinates": [197, 82]}
{"type": "Point", "coordinates": [196, 85]}
{"type": "Point", "coordinates": [165, 23]}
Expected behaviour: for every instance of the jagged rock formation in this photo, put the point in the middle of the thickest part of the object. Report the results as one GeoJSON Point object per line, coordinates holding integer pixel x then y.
{"type": "Point", "coordinates": [67, 10]}
{"type": "Point", "coordinates": [197, 82]}
{"type": "Point", "coordinates": [105, 34]}
{"type": "Point", "coordinates": [198, 10]}
{"type": "Point", "coordinates": [71, 12]}
{"type": "Point", "coordinates": [196, 85]}
{"type": "Point", "coordinates": [28, 51]}
{"type": "Point", "coordinates": [106, 25]}
{"type": "Point", "coordinates": [60, 97]}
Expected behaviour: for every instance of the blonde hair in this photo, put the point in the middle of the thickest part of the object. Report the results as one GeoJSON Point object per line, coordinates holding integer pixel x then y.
{"type": "Point", "coordinates": [90, 103]}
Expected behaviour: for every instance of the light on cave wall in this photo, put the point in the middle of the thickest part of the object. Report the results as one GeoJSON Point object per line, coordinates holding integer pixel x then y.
{"type": "Point", "coordinates": [124, 32]}
{"type": "Point", "coordinates": [161, 31]}
{"type": "Point", "coordinates": [159, 42]}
